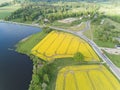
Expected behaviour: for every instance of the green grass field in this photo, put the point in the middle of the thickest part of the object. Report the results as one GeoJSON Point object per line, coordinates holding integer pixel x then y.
{"type": "Point", "coordinates": [74, 26]}
{"type": "Point", "coordinates": [3, 1]}
{"type": "Point", "coordinates": [95, 27]}
{"type": "Point", "coordinates": [7, 10]}
{"type": "Point", "coordinates": [26, 46]}
{"type": "Point", "coordinates": [110, 9]}
{"type": "Point", "coordinates": [114, 58]}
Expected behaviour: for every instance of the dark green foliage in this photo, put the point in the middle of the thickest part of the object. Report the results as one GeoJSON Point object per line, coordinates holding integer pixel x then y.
{"type": "Point", "coordinates": [38, 12]}
{"type": "Point", "coordinates": [4, 4]}
{"type": "Point", "coordinates": [46, 78]}
{"type": "Point", "coordinates": [35, 87]}
{"type": "Point", "coordinates": [76, 22]}
{"type": "Point", "coordinates": [35, 79]}
{"type": "Point", "coordinates": [47, 30]}
{"type": "Point", "coordinates": [106, 31]}
{"type": "Point", "coordinates": [98, 19]}
{"type": "Point", "coordinates": [78, 57]}
{"type": "Point", "coordinates": [21, 1]}
{"type": "Point", "coordinates": [115, 18]}
{"type": "Point", "coordinates": [116, 42]}
{"type": "Point", "coordinates": [47, 72]}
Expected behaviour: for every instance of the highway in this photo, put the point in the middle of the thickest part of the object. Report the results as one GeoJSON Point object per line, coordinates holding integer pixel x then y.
{"type": "Point", "coordinates": [112, 66]}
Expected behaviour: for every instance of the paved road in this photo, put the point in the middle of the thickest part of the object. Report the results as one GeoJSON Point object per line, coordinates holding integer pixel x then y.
{"type": "Point", "coordinates": [113, 68]}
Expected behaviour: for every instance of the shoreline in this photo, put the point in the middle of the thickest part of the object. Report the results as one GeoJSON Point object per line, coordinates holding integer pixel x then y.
{"type": "Point", "coordinates": [35, 68]}
{"type": "Point", "coordinates": [25, 24]}
{"type": "Point", "coordinates": [26, 38]}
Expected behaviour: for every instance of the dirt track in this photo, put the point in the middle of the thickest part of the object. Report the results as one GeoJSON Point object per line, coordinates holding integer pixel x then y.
{"type": "Point", "coordinates": [111, 50]}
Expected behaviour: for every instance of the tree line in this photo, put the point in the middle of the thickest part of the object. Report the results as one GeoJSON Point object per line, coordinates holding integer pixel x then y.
{"type": "Point", "coordinates": [106, 32]}
{"type": "Point", "coordinates": [21, 1]}
{"type": "Point", "coordinates": [39, 12]}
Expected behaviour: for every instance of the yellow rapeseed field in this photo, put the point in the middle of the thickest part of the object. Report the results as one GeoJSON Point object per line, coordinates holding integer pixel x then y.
{"type": "Point", "coordinates": [60, 44]}
{"type": "Point", "coordinates": [86, 77]}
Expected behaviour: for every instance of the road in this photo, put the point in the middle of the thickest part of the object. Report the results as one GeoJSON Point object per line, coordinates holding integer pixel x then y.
{"type": "Point", "coordinates": [111, 65]}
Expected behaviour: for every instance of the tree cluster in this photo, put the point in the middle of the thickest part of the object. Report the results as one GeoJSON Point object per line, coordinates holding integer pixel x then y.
{"type": "Point", "coordinates": [4, 4]}
{"type": "Point", "coordinates": [106, 31]}
{"type": "Point", "coordinates": [38, 12]}
{"type": "Point", "coordinates": [21, 1]}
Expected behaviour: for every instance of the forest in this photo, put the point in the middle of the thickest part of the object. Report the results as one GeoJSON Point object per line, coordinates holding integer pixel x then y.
{"type": "Point", "coordinates": [37, 12]}
{"type": "Point", "coordinates": [20, 1]}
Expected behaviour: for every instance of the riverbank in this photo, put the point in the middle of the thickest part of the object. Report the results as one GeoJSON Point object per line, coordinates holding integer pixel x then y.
{"type": "Point", "coordinates": [25, 24]}
{"type": "Point", "coordinates": [16, 69]}
{"type": "Point", "coordinates": [24, 47]}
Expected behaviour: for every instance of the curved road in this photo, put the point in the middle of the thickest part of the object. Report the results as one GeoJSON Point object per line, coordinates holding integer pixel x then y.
{"type": "Point", "coordinates": [112, 67]}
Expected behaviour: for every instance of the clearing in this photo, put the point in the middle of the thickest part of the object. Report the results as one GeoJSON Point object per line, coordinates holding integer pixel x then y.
{"type": "Point", "coordinates": [114, 51]}
{"type": "Point", "coordinates": [7, 10]}
{"type": "Point", "coordinates": [67, 20]}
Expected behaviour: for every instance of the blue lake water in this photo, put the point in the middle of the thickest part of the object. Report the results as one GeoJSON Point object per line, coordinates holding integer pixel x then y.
{"type": "Point", "coordinates": [15, 69]}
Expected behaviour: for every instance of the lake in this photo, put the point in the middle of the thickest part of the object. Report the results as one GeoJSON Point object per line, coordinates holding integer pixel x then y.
{"type": "Point", "coordinates": [15, 69]}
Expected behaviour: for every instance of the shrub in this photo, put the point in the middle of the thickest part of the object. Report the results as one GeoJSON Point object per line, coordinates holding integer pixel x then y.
{"type": "Point", "coordinates": [78, 57]}
{"type": "Point", "coordinates": [47, 30]}
{"type": "Point", "coordinates": [35, 78]}
{"type": "Point", "coordinates": [46, 78]}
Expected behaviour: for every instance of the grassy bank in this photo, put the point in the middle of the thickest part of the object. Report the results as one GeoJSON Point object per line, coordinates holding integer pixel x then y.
{"type": "Point", "coordinates": [3, 1]}
{"type": "Point", "coordinates": [39, 66]}
{"type": "Point", "coordinates": [76, 25]}
{"type": "Point", "coordinates": [7, 10]}
{"type": "Point", "coordinates": [25, 46]}
{"type": "Point", "coordinates": [104, 44]}
{"type": "Point", "coordinates": [114, 58]}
